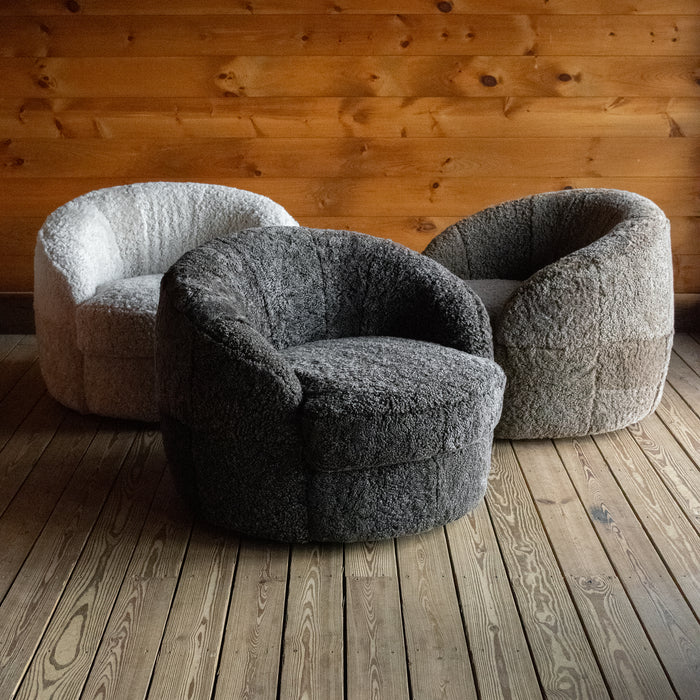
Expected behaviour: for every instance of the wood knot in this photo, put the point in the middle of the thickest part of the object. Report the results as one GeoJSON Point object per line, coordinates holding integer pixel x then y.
{"type": "Point", "coordinates": [73, 6]}
{"type": "Point", "coordinates": [304, 37]}
{"type": "Point", "coordinates": [45, 82]}
{"type": "Point", "coordinates": [488, 81]}
{"type": "Point", "coordinates": [444, 6]}
{"type": "Point", "coordinates": [405, 43]}
{"type": "Point", "coordinates": [564, 77]}
{"type": "Point", "coordinates": [436, 185]}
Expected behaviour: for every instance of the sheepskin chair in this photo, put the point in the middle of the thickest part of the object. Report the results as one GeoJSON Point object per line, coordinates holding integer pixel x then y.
{"type": "Point", "coordinates": [324, 385]}
{"type": "Point", "coordinates": [97, 269]}
{"type": "Point", "coordinates": [579, 288]}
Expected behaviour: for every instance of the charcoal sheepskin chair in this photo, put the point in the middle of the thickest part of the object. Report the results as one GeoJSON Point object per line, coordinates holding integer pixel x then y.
{"type": "Point", "coordinates": [579, 288]}
{"type": "Point", "coordinates": [97, 268]}
{"type": "Point", "coordinates": [324, 385]}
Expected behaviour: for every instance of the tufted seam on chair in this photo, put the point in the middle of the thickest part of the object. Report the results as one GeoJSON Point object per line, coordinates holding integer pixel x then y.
{"type": "Point", "coordinates": [322, 274]}
{"type": "Point", "coordinates": [266, 305]}
{"type": "Point", "coordinates": [597, 350]}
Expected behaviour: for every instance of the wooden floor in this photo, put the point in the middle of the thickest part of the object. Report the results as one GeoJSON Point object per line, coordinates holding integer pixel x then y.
{"type": "Point", "coordinates": [579, 576]}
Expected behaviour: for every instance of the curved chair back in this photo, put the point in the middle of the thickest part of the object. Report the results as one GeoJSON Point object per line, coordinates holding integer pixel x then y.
{"type": "Point", "coordinates": [295, 285]}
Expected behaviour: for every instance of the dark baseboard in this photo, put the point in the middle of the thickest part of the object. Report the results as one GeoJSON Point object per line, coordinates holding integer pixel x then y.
{"type": "Point", "coordinates": [17, 313]}
{"type": "Point", "coordinates": [687, 312]}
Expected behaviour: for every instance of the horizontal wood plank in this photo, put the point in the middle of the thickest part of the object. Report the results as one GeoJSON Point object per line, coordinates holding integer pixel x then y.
{"type": "Point", "coordinates": [246, 7]}
{"type": "Point", "coordinates": [359, 117]}
{"type": "Point", "coordinates": [213, 158]}
{"type": "Point", "coordinates": [349, 196]}
{"type": "Point", "coordinates": [350, 76]}
{"type": "Point", "coordinates": [350, 35]}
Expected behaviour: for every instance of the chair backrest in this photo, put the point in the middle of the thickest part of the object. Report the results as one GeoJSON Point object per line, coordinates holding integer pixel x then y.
{"type": "Point", "coordinates": [514, 239]}
{"type": "Point", "coordinates": [154, 223]}
{"type": "Point", "coordinates": [295, 285]}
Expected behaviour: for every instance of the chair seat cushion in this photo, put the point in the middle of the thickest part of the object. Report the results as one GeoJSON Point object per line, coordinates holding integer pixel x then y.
{"type": "Point", "coordinates": [494, 293]}
{"type": "Point", "coordinates": [119, 320]}
{"type": "Point", "coordinates": [377, 401]}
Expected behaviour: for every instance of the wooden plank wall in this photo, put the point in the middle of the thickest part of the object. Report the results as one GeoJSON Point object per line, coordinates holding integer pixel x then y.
{"type": "Point", "coordinates": [395, 118]}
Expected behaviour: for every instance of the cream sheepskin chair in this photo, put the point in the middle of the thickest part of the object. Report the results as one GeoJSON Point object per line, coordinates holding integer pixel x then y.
{"type": "Point", "coordinates": [98, 264]}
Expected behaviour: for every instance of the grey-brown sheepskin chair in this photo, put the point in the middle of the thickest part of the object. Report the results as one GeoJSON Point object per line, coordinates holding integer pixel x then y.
{"type": "Point", "coordinates": [579, 288]}
{"type": "Point", "coordinates": [324, 385]}
{"type": "Point", "coordinates": [97, 269]}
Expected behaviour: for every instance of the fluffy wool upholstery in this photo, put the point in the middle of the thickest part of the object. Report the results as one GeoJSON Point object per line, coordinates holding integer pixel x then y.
{"type": "Point", "coordinates": [324, 385]}
{"type": "Point", "coordinates": [585, 336]}
{"type": "Point", "coordinates": [97, 269]}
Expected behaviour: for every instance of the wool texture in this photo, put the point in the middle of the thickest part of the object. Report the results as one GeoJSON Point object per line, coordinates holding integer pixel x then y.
{"type": "Point", "coordinates": [324, 385]}
{"type": "Point", "coordinates": [585, 335]}
{"type": "Point", "coordinates": [97, 268]}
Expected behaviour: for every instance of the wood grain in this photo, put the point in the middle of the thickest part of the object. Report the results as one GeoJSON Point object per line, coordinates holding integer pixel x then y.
{"type": "Point", "coordinates": [246, 7]}
{"type": "Point", "coordinates": [23, 450]}
{"type": "Point", "coordinates": [688, 349]}
{"type": "Point", "coordinates": [19, 401]}
{"type": "Point", "coordinates": [631, 668]}
{"type": "Point", "coordinates": [438, 657]}
{"type": "Point", "coordinates": [565, 663]}
{"type": "Point", "coordinates": [186, 666]}
{"type": "Point", "coordinates": [681, 421]}
{"type": "Point", "coordinates": [685, 381]}
{"type": "Point", "coordinates": [375, 653]}
{"type": "Point", "coordinates": [677, 470]}
{"type": "Point", "coordinates": [351, 35]}
{"type": "Point", "coordinates": [250, 657]}
{"type": "Point", "coordinates": [431, 196]}
{"type": "Point", "coordinates": [39, 585]}
{"type": "Point", "coordinates": [350, 76]}
{"type": "Point", "coordinates": [312, 665]}
{"type": "Point", "coordinates": [215, 158]}
{"type": "Point", "coordinates": [502, 663]}
{"type": "Point", "coordinates": [359, 117]}
{"type": "Point", "coordinates": [667, 618]}
{"type": "Point", "coordinates": [30, 509]}
{"type": "Point", "coordinates": [7, 343]}
{"type": "Point", "coordinates": [670, 530]}
{"type": "Point", "coordinates": [67, 650]}
{"type": "Point", "coordinates": [124, 661]}
{"type": "Point", "coordinates": [18, 355]}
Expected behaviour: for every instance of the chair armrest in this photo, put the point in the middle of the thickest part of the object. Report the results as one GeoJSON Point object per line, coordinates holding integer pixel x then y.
{"type": "Point", "coordinates": [214, 371]}
{"type": "Point", "coordinates": [430, 303]}
{"type": "Point", "coordinates": [619, 287]}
